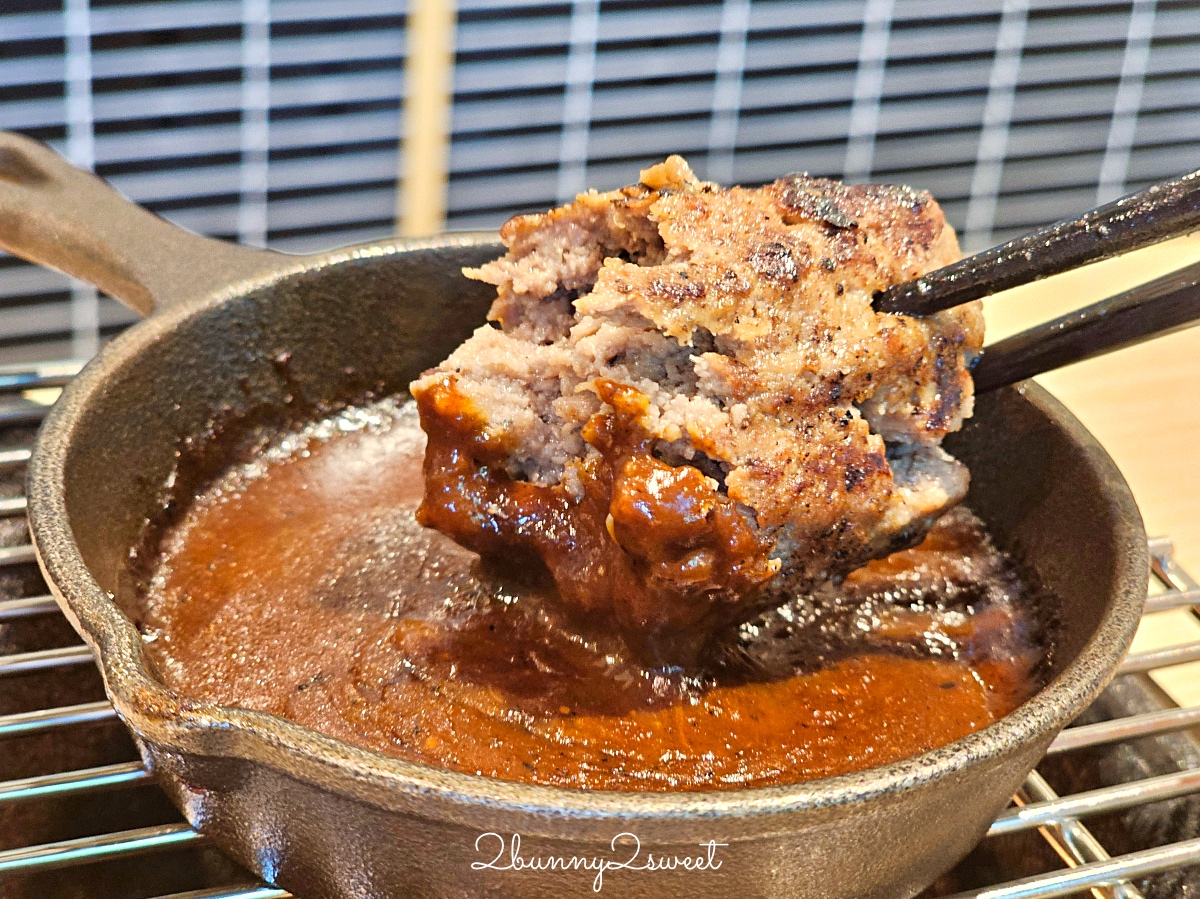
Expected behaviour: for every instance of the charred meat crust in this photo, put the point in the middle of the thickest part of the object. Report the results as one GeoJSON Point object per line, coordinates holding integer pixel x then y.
{"type": "Point", "coordinates": [742, 319]}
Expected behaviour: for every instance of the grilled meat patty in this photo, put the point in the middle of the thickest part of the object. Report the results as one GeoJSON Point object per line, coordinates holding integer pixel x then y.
{"type": "Point", "coordinates": [690, 408]}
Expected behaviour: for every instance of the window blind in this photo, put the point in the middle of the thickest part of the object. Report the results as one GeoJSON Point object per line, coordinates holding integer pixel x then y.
{"type": "Point", "coordinates": [1012, 113]}
{"type": "Point", "coordinates": [279, 122]}
{"type": "Point", "coordinates": [267, 121]}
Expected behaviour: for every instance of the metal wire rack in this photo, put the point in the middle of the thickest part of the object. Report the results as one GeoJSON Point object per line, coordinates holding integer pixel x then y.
{"type": "Point", "coordinates": [59, 688]}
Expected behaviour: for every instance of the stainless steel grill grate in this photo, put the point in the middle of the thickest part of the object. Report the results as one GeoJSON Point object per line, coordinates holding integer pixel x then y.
{"type": "Point", "coordinates": [67, 764]}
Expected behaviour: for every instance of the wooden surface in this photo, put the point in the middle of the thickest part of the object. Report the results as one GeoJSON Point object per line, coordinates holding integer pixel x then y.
{"type": "Point", "coordinates": [1143, 404]}
{"type": "Point", "coordinates": [425, 124]}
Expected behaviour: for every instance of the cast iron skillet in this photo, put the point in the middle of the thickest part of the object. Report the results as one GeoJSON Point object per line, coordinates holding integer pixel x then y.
{"type": "Point", "coordinates": [327, 819]}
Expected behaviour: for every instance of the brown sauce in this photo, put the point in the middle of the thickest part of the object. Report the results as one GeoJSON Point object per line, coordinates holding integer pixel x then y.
{"type": "Point", "coordinates": [300, 583]}
{"type": "Point", "coordinates": [653, 550]}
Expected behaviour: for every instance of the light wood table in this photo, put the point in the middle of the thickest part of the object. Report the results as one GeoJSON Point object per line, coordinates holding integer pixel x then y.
{"type": "Point", "coordinates": [1143, 404]}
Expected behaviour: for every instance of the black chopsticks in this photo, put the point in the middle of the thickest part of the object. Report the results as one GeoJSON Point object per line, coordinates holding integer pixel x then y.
{"type": "Point", "coordinates": [1158, 307]}
{"type": "Point", "coordinates": [1150, 216]}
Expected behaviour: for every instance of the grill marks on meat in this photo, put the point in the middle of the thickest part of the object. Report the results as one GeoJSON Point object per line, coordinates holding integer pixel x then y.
{"type": "Point", "coordinates": [735, 327]}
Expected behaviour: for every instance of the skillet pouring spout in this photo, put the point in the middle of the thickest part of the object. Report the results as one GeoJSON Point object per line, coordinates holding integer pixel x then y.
{"type": "Point", "coordinates": [328, 820]}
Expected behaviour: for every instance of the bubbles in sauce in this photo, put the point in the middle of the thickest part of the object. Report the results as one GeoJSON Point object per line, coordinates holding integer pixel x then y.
{"type": "Point", "coordinates": [299, 583]}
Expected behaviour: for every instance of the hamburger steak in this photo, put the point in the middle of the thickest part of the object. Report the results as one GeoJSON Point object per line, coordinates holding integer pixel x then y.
{"type": "Point", "coordinates": [686, 407]}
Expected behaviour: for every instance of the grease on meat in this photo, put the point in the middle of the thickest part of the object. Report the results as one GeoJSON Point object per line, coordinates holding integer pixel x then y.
{"type": "Point", "coordinates": [690, 408]}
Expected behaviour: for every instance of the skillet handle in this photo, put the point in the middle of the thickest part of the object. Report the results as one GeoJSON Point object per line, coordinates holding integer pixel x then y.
{"type": "Point", "coordinates": [62, 217]}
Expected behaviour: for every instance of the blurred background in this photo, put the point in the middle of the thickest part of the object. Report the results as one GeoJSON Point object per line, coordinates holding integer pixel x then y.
{"type": "Point", "coordinates": [304, 124]}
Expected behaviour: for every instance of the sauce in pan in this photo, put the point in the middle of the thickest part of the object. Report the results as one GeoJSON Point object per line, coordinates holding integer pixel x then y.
{"type": "Point", "coordinates": [300, 583]}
